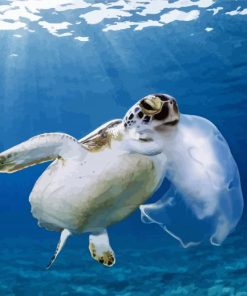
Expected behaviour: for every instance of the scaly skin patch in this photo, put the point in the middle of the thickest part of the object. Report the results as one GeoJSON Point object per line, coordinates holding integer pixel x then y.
{"type": "Point", "coordinates": [107, 258]}
{"type": "Point", "coordinates": [102, 139]}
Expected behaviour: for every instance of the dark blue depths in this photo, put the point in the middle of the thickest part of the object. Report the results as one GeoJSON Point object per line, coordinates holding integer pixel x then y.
{"type": "Point", "coordinates": [59, 84]}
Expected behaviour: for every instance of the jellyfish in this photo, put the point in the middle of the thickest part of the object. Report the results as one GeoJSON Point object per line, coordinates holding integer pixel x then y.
{"type": "Point", "coordinates": [204, 200]}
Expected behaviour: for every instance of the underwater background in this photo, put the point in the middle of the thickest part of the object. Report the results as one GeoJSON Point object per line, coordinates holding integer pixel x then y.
{"type": "Point", "coordinates": [69, 66]}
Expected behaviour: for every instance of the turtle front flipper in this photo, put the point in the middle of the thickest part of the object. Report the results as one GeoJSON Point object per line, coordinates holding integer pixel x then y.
{"type": "Point", "coordinates": [100, 249]}
{"type": "Point", "coordinates": [39, 149]}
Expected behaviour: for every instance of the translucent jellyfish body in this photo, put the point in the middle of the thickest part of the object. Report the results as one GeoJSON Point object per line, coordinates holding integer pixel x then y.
{"type": "Point", "coordinates": [204, 200]}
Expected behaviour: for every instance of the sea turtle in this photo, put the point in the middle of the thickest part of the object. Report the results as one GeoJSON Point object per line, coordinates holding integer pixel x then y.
{"type": "Point", "coordinates": [98, 180]}
{"type": "Point", "coordinates": [102, 178]}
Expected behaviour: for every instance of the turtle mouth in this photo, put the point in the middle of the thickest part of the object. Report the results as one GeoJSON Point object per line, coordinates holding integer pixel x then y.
{"type": "Point", "coordinates": [171, 123]}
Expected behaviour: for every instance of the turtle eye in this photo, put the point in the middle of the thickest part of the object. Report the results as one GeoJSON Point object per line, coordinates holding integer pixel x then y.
{"type": "Point", "coordinates": [150, 105]}
{"type": "Point", "coordinates": [145, 105]}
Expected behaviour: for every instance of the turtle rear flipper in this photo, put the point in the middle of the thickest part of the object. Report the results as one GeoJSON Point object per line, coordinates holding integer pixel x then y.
{"type": "Point", "coordinates": [63, 238]}
{"type": "Point", "coordinates": [100, 249]}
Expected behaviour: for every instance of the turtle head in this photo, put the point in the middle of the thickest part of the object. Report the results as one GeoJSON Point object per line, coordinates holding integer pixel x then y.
{"type": "Point", "coordinates": [153, 111]}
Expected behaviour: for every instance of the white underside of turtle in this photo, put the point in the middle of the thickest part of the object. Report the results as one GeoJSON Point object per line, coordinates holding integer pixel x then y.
{"type": "Point", "coordinates": [86, 194]}
{"type": "Point", "coordinates": [99, 180]}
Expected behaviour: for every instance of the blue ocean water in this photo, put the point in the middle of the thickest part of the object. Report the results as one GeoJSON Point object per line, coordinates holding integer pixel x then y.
{"type": "Point", "coordinates": [71, 65]}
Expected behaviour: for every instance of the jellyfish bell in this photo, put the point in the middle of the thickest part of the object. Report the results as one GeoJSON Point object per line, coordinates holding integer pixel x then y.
{"type": "Point", "coordinates": [204, 200]}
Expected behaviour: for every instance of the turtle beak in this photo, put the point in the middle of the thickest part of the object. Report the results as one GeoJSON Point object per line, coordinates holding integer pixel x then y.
{"type": "Point", "coordinates": [151, 105]}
